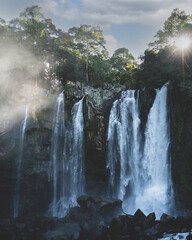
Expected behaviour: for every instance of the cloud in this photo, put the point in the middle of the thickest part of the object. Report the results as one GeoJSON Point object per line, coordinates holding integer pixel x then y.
{"type": "Point", "coordinates": [49, 6]}
{"type": "Point", "coordinates": [109, 12]}
{"type": "Point", "coordinates": [111, 43]}
{"type": "Point", "coordinates": [10, 9]}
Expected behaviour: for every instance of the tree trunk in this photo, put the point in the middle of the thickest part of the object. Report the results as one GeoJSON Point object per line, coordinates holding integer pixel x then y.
{"type": "Point", "coordinates": [87, 65]}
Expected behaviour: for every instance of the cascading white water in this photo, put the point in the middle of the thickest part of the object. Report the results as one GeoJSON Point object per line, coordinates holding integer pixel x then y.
{"type": "Point", "coordinates": [56, 151]}
{"type": "Point", "coordinates": [123, 146]}
{"type": "Point", "coordinates": [67, 158]}
{"type": "Point", "coordinates": [73, 156]}
{"type": "Point", "coordinates": [141, 179]}
{"type": "Point", "coordinates": [156, 190]}
{"type": "Point", "coordinates": [19, 164]}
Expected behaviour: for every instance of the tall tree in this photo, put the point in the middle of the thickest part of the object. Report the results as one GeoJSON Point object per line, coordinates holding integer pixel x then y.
{"type": "Point", "coordinates": [88, 41]}
{"type": "Point", "coordinates": [123, 65]}
{"type": "Point", "coordinates": [173, 27]}
{"type": "Point", "coordinates": [121, 59]}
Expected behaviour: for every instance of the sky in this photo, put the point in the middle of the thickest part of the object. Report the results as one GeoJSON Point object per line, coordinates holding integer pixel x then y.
{"type": "Point", "coordinates": [125, 23]}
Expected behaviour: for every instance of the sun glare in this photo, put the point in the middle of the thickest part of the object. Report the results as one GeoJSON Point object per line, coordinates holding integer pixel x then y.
{"type": "Point", "coordinates": [182, 42]}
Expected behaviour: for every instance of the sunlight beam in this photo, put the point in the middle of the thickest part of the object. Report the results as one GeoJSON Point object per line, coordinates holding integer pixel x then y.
{"type": "Point", "coordinates": [182, 42]}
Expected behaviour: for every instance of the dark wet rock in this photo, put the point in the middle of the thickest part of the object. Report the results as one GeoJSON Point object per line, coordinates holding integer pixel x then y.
{"type": "Point", "coordinates": [122, 225]}
{"type": "Point", "coordinates": [64, 232]}
{"type": "Point", "coordinates": [153, 231]}
{"type": "Point", "coordinates": [77, 214]}
{"type": "Point", "coordinates": [150, 220]}
{"type": "Point", "coordinates": [89, 224]}
{"type": "Point", "coordinates": [181, 237]}
{"type": "Point", "coordinates": [104, 206]}
{"type": "Point", "coordinates": [139, 218]}
{"type": "Point", "coordinates": [109, 207]}
{"type": "Point", "coordinates": [95, 210]}
{"type": "Point", "coordinates": [165, 217]}
{"type": "Point", "coordinates": [189, 237]}
{"type": "Point", "coordinates": [84, 201]}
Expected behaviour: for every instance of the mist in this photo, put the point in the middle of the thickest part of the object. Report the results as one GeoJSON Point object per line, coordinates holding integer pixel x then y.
{"type": "Point", "coordinates": [21, 79]}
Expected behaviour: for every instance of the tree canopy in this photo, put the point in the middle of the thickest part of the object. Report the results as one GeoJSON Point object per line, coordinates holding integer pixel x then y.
{"type": "Point", "coordinates": [164, 60]}
{"type": "Point", "coordinates": [80, 54]}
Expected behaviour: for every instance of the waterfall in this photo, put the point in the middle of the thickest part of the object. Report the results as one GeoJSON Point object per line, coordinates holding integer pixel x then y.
{"type": "Point", "coordinates": [67, 157]}
{"type": "Point", "coordinates": [16, 197]}
{"type": "Point", "coordinates": [76, 164]}
{"type": "Point", "coordinates": [57, 151]}
{"type": "Point", "coordinates": [123, 145]}
{"type": "Point", "coordinates": [156, 190]}
{"type": "Point", "coordinates": [140, 178]}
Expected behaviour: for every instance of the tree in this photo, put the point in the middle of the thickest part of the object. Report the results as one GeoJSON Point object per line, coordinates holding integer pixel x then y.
{"type": "Point", "coordinates": [123, 65]}
{"type": "Point", "coordinates": [30, 23]}
{"type": "Point", "coordinates": [173, 27]}
{"type": "Point", "coordinates": [164, 61]}
{"type": "Point", "coordinates": [88, 41]}
{"type": "Point", "coordinates": [100, 69]}
{"type": "Point", "coordinates": [34, 30]}
{"type": "Point", "coordinates": [121, 59]}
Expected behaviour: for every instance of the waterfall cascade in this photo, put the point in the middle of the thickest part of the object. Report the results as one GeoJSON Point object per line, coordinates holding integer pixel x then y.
{"type": "Point", "coordinates": [123, 151]}
{"type": "Point", "coordinates": [140, 178]}
{"type": "Point", "coordinates": [73, 159]}
{"type": "Point", "coordinates": [56, 153]}
{"type": "Point", "coordinates": [156, 190]}
{"type": "Point", "coordinates": [67, 156]}
{"type": "Point", "coordinates": [19, 164]}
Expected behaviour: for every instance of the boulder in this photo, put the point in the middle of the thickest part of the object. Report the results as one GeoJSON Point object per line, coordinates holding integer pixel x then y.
{"type": "Point", "coordinates": [65, 232]}
{"type": "Point", "coordinates": [189, 237]}
{"type": "Point", "coordinates": [95, 210]}
{"type": "Point", "coordinates": [122, 225]}
{"type": "Point", "coordinates": [103, 206]}
{"type": "Point", "coordinates": [85, 201]}
{"type": "Point", "coordinates": [109, 207]}
{"type": "Point", "coordinates": [153, 231]}
{"type": "Point", "coordinates": [77, 214]}
{"type": "Point", "coordinates": [139, 218]}
{"type": "Point", "coordinates": [150, 220]}
{"type": "Point", "coordinates": [165, 217]}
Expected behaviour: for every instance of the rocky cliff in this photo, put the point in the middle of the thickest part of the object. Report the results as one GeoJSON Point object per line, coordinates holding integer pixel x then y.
{"type": "Point", "coordinates": [97, 105]}
{"type": "Point", "coordinates": [180, 112]}
{"type": "Point", "coordinates": [35, 188]}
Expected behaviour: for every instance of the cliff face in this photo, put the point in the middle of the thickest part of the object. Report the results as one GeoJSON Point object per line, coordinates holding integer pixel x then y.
{"type": "Point", "coordinates": [36, 190]}
{"type": "Point", "coordinates": [97, 105]}
{"type": "Point", "coordinates": [181, 146]}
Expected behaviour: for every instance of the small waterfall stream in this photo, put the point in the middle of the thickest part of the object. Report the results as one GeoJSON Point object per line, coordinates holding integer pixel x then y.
{"type": "Point", "coordinates": [56, 151]}
{"type": "Point", "coordinates": [67, 155]}
{"type": "Point", "coordinates": [75, 165]}
{"type": "Point", "coordinates": [140, 178]}
{"type": "Point", "coordinates": [19, 164]}
{"type": "Point", "coordinates": [124, 147]}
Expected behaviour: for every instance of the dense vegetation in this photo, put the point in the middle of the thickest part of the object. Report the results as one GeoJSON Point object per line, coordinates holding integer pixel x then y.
{"type": "Point", "coordinates": [164, 61]}
{"type": "Point", "coordinates": [52, 55]}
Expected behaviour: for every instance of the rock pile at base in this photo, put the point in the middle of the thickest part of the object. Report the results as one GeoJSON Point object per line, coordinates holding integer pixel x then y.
{"type": "Point", "coordinates": [94, 219]}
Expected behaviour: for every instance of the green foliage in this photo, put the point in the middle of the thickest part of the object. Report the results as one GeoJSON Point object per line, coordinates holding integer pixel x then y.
{"type": "Point", "coordinates": [121, 59]}
{"type": "Point", "coordinates": [100, 69]}
{"type": "Point", "coordinates": [88, 41]}
{"type": "Point", "coordinates": [77, 55]}
{"type": "Point", "coordinates": [80, 53]}
{"type": "Point", "coordinates": [164, 61]}
{"type": "Point", "coordinates": [123, 67]}
{"type": "Point", "coordinates": [159, 67]}
{"type": "Point", "coordinates": [173, 27]}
